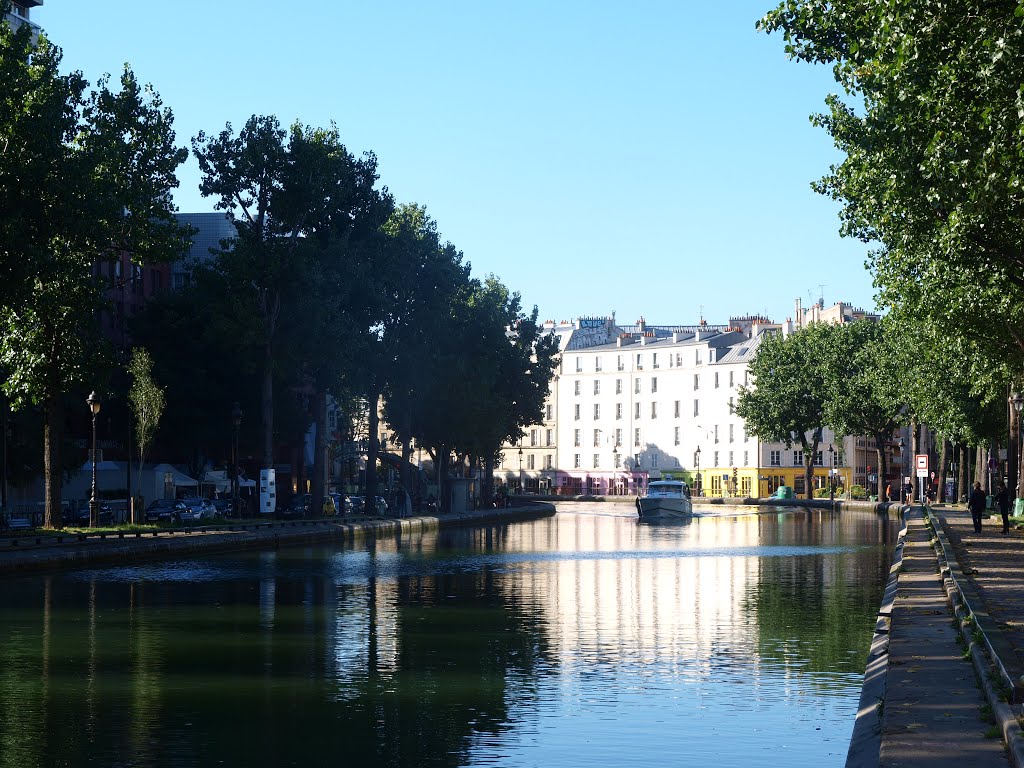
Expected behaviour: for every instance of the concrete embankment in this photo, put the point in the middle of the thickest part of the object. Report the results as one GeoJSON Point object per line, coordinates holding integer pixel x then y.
{"type": "Point", "coordinates": [42, 552]}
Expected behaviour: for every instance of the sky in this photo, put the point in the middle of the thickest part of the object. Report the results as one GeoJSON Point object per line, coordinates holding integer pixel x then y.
{"type": "Point", "coordinates": [649, 159]}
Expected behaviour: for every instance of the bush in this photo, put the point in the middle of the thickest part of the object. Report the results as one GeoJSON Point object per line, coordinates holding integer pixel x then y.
{"type": "Point", "coordinates": [858, 492]}
{"type": "Point", "coordinates": [821, 493]}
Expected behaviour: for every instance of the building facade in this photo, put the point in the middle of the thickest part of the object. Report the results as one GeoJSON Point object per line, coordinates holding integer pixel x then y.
{"type": "Point", "coordinates": [19, 15]}
{"type": "Point", "coordinates": [631, 404]}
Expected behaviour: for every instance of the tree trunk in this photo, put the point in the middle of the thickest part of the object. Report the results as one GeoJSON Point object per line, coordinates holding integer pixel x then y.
{"type": "Point", "coordinates": [961, 470]}
{"type": "Point", "coordinates": [53, 429]}
{"type": "Point", "coordinates": [980, 470]}
{"type": "Point", "coordinates": [267, 404]}
{"type": "Point", "coordinates": [318, 491]}
{"type": "Point", "coordinates": [883, 465]}
{"type": "Point", "coordinates": [372, 449]}
{"type": "Point", "coordinates": [915, 435]}
{"type": "Point", "coordinates": [443, 460]}
{"type": "Point", "coordinates": [943, 462]}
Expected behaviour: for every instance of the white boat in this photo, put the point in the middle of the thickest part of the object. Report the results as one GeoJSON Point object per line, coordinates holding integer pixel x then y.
{"type": "Point", "coordinates": [665, 500]}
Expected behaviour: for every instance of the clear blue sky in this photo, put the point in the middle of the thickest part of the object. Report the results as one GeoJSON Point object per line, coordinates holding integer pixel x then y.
{"type": "Point", "coordinates": [646, 158]}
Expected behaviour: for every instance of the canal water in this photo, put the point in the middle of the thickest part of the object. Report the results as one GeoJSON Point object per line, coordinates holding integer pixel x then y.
{"type": "Point", "coordinates": [585, 639]}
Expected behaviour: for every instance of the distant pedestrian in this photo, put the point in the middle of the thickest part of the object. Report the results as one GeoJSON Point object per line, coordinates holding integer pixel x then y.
{"type": "Point", "coordinates": [888, 492]}
{"type": "Point", "coordinates": [1003, 500]}
{"type": "Point", "coordinates": [977, 506]}
{"type": "Point", "coordinates": [330, 510]}
{"type": "Point", "coordinates": [908, 493]}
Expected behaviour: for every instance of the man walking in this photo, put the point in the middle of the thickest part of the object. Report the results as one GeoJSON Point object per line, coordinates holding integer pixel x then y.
{"type": "Point", "coordinates": [1003, 502]}
{"type": "Point", "coordinates": [977, 506]}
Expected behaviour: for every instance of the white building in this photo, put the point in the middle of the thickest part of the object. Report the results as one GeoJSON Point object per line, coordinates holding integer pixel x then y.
{"type": "Point", "coordinates": [20, 15]}
{"type": "Point", "coordinates": [630, 404]}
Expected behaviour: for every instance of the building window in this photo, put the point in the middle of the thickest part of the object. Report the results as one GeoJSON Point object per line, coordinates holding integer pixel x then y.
{"type": "Point", "coordinates": [636, 386]}
{"type": "Point", "coordinates": [549, 461]}
{"type": "Point", "coordinates": [716, 458]}
{"type": "Point", "coordinates": [654, 359]}
{"type": "Point", "coordinates": [530, 461]}
{"type": "Point", "coordinates": [731, 407]}
{"type": "Point", "coordinates": [597, 411]}
{"type": "Point", "coordinates": [597, 438]}
{"type": "Point", "coordinates": [731, 428]}
{"type": "Point", "coordinates": [818, 458]}
{"type": "Point", "coordinates": [550, 437]}
{"type": "Point", "coordinates": [637, 409]}
{"type": "Point", "coordinates": [579, 365]}
{"type": "Point", "coordinates": [716, 433]}
{"type": "Point", "coordinates": [654, 460]}
{"type": "Point", "coordinates": [576, 411]}
{"type": "Point", "coordinates": [679, 359]}
{"type": "Point", "coordinates": [618, 410]}
{"type": "Point", "coordinates": [676, 438]}
{"type": "Point", "coordinates": [746, 435]}
{"type": "Point", "coordinates": [775, 458]}
{"type": "Point", "coordinates": [576, 438]}
{"type": "Point", "coordinates": [636, 437]}
{"type": "Point", "coordinates": [549, 412]}
{"type": "Point", "coordinates": [576, 387]}
{"type": "Point", "coordinates": [654, 384]}
{"type": "Point", "coordinates": [639, 362]}
{"type": "Point", "coordinates": [676, 409]}
{"type": "Point", "coordinates": [597, 386]}
{"type": "Point", "coordinates": [731, 462]}
{"type": "Point", "coordinates": [716, 379]}
{"type": "Point", "coordinates": [746, 377]}
{"type": "Point", "coordinates": [618, 386]}
{"type": "Point", "coordinates": [696, 358]}
{"type": "Point", "coordinates": [619, 365]}
{"type": "Point", "coordinates": [696, 382]}
{"type": "Point", "coordinates": [798, 458]}
{"type": "Point", "coordinates": [576, 461]}
{"type": "Point", "coordinates": [732, 381]}
{"type": "Point", "coordinates": [533, 438]}
{"type": "Point", "coordinates": [617, 460]}
{"type": "Point", "coordinates": [654, 410]}
{"type": "Point", "coordinates": [597, 364]}
{"type": "Point", "coordinates": [696, 407]}
{"type": "Point", "coordinates": [746, 459]}
{"type": "Point", "coordinates": [618, 438]}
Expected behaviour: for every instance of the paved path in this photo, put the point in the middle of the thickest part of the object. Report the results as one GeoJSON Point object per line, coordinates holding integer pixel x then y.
{"type": "Point", "coordinates": [934, 712]}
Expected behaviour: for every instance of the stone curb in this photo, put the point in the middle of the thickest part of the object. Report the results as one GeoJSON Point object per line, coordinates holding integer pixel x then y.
{"type": "Point", "coordinates": [987, 664]}
{"type": "Point", "coordinates": [120, 551]}
{"type": "Point", "coordinates": [866, 739]}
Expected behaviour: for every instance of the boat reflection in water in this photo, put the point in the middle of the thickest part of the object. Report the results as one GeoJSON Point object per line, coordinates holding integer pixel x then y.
{"type": "Point", "coordinates": [665, 500]}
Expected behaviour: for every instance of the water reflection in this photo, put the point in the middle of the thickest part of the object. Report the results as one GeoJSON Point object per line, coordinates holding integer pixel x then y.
{"type": "Point", "coordinates": [579, 639]}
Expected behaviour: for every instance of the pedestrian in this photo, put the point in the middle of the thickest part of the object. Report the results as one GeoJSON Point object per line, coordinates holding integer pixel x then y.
{"type": "Point", "coordinates": [977, 506]}
{"type": "Point", "coordinates": [1003, 500]}
{"type": "Point", "coordinates": [888, 492]}
{"type": "Point", "coordinates": [330, 510]}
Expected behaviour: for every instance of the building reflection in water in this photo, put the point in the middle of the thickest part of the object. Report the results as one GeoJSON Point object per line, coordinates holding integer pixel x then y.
{"type": "Point", "coordinates": [431, 648]}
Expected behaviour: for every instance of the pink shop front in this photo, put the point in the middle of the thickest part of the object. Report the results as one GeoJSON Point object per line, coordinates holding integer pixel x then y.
{"type": "Point", "coordinates": [600, 484]}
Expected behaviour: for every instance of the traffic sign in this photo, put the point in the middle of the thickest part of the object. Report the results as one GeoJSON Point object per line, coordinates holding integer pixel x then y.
{"type": "Point", "coordinates": [921, 462]}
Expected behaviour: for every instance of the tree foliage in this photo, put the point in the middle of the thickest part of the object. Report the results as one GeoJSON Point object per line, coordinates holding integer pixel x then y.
{"type": "Point", "coordinates": [930, 125]}
{"type": "Point", "coordinates": [147, 402]}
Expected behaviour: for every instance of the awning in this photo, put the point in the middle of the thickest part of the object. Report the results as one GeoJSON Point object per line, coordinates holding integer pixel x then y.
{"type": "Point", "coordinates": [179, 479]}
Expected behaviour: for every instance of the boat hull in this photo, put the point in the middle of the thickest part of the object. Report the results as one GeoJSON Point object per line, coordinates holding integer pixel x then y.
{"type": "Point", "coordinates": [664, 508]}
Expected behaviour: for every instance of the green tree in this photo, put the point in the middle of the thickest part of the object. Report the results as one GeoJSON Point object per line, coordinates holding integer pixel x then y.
{"type": "Point", "coordinates": [287, 192]}
{"type": "Point", "coordinates": [864, 395]}
{"type": "Point", "coordinates": [80, 176]}
{"type": "Point", "coordinates": [787, 400]}
{"type": "Point", "coordinates": [147, 402]}
{"type": "Point", "coordinates": [929, 123]}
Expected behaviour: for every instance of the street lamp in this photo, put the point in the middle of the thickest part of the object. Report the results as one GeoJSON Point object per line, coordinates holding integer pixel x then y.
{"type": "Point", "coordinates": [236, 422]}
{"type": "Point", "coordinates": [94, 402]}
{"type": "Point", "coordinates": [696, 456]}
{"type": "Point", "coordinates": [615, 471]}
{"type": "Point", "coordinates": [831, 474]}
{"type": "Point", "coordinates": [910, 496]}
{"type": "Point", "coordinates": [520, 470]}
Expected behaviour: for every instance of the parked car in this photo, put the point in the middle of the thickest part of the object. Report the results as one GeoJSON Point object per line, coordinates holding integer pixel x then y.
{"type": "Point", "coordinates": [196, 509]}
{"type": "Point", "coordinates": [353, 505]}
{"type": "Point", "coordinates": [77, 513]}
{"type": "Point", "coordinates": [164, 511]}
{"type": "Point", "coordinates": [298, 506]}
{"type": "Point", "coordinates": [222, 506]}
{"type": "Point", "coordinates": [381, 505]}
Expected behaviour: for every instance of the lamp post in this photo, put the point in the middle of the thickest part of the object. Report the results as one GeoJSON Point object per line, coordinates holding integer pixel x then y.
{"type": "Point", "coordinates": [832, 474]}
{"type": "Point", "coordinates": [520, 471]}
{"type": "Point", "coordinates": [615, 471]}
{"type": "Point", "coordinates": [1017, 401]}
{"type": "Point", "coordinates": [94, 402]}
{"type": "Point", "coordinates": [696, 455]}
{"type": "Point", "coordinates": [236, 422]}
{"type": "Point", "coordinates": [910, 496]}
